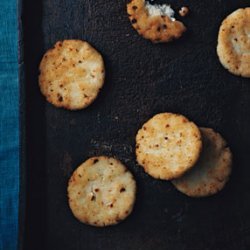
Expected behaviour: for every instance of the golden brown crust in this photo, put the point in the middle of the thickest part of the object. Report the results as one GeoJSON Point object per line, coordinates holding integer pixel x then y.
{"type": "Point", "coordinates": [101, 192]}
{"type": "Point", "coordinates": [158, 29]}
{"type": "Point", "coordinates": [71, 74]}
{"type": "Point", "coordinates": [212, 171]}
{"type": "Point", "coordinates": [168, 145]}
{"type": "Point", "coordinates": [233, 46]}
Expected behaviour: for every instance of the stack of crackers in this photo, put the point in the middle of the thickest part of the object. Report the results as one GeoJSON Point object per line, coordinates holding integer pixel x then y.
{"type": "Point", "coordinates": [196, 160]}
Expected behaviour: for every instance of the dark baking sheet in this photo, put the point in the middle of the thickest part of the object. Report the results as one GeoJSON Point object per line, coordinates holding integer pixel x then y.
{"type": "Point", "coordinates": [142, 79]}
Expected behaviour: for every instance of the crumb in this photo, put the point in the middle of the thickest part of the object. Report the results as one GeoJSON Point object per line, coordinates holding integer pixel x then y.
{"type": "Point", "coordinates": [184, 11]}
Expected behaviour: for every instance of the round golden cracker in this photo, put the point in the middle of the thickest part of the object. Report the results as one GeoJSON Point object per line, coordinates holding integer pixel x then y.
{"type": "Point", "coordinates": [154, 26]}
{"type": "Point", "coordinates": [101, 192]}
{"type": "Point", "coordinates": [213, 169]}
{"type": "Point", "coordinates": [71, 74]}
{"type": "Point", "coordinates": [233, 46]}
{"type": "Point", "coordinates": [168, 145]}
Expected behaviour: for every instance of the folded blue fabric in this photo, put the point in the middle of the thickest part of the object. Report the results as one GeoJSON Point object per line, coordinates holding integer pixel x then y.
{"type": "Point", "coordinates": [9, 128]}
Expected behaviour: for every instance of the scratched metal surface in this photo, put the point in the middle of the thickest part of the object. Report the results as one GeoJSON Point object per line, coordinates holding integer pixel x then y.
{"type": "Point", "coordinates": [142, 80]}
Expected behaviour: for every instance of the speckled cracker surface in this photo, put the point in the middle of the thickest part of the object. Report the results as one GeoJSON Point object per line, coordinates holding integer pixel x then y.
{"type": "Point", "coordinates": [212, 171]}
{"type": "Point", "coordinates": [101, 192]}
{"type": "Point", "coordinates": [168, 145]}
{"type": "Point", "coordinates": [157, 28]}
{"type": "Point", "coordinates": [233, 46]}
{"type": "Point", "coordinates": [71, 74]}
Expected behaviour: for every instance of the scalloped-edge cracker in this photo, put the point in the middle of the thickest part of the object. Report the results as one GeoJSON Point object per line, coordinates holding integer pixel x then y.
{"type": "Point", "coordinates": [71, 74]}
{"type": "Point", "coordinates": [233, 46]}
{"type": "Point", "coordinates": [213, 169]}
{"type": "Point", "coordinates": [101, 192]}
{"type": "Point", "coordinates": [168, 145]}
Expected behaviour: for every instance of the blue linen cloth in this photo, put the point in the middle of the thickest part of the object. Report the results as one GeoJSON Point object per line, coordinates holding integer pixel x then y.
{"type": "Point", "coordinates": [9, 126]}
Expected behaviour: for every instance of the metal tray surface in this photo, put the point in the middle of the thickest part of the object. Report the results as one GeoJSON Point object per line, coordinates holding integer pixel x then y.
{"type": "Point", "coordinates": [142, 79]}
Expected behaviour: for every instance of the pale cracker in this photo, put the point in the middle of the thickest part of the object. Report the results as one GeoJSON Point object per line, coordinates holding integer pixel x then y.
{"type": "Point", "coordinates": [101, 192]}
{"type": "Point", "coordinates": [233, 46]}
{"type": "Point", "coordinates": [213, 169]}
{"type": "Point", "coordinates": [71, 74]}
{"type": "Point", "coordinates": [168, 145]}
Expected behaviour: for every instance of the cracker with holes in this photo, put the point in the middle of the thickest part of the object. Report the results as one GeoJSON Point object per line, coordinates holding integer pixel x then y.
{"type": "Point", "coordinates": [213, 169]}
{"type": "Point", "coordinates": [168, 145]}
{"type": "Point", "coordinates": [71, 74]}
{"type": "Point", "coordinates": [101, 192]}
{"type": "Point", "coordinates": [154, 22]}
{"type": "Point", "coordinates": [233, 46]}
